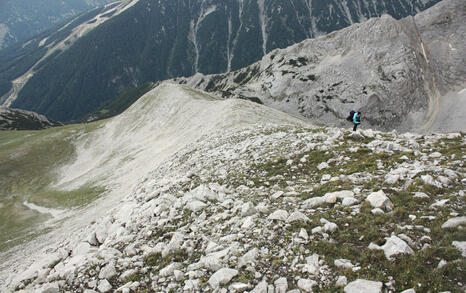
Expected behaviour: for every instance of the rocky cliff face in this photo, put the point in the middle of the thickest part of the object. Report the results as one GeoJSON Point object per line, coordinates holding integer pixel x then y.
{"type": "Point", "coordinates": [394, 71]}
{"type": "Point", "coordinates": [243, 198]}
{"type": "Point", "coordinates": [14, 119]}
{"type": "Point", "coordinates": [157, 40]}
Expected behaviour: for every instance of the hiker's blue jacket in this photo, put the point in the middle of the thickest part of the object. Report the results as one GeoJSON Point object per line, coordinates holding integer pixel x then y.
{"type": "Point", "coordinates": [355, 118]}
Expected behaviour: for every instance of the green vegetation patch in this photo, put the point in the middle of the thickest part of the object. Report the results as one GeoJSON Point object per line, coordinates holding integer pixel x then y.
{"type": "Point", "coordinates": [29, 161]}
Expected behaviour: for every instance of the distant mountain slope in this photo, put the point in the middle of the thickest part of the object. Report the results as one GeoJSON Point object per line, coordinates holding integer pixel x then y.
{"type": "Point", "coordinates": [22, 19]}
{"type": "Point", "coordinates": [394, 71]}
{"type": "Point", "coordinates": [156, 40]}
{"type": "Point", "coordinates": [14, 119]}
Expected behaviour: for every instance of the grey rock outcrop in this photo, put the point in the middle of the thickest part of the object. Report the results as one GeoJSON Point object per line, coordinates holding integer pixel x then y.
{"type": "Point", "coordinates": [454, 222]}
{"type": "Point", "coordinates": [361, 285]}
{"type": "Point", "coordinates": [394, 71]}
{"type": "Point", "coordinates": [393, 247]}
{"type": "Point", "coordinates": [16, 119]}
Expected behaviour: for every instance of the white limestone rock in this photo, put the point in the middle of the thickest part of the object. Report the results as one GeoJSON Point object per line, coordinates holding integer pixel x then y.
{"type": "Point", "coordinates": [341, 281]}
{"type": "Point", "coordinates": [248, 258]}
{"type": "Point", "coordinates": [322, 166]}
{"type": "Point", "coordinates": [306, 284]}
{"type": "Point", "coordinates": [439, 203]}
{"type": "Point", "coordinates": [377, 211]}
{"type": "Point", "coordinates": [366, 286]}
{"type": "Point", "coordinates": [101, 232]}
{"type": "Point", "coordinates": [312, 264]}
{"type": "Point", "coordinates": [108, 271]}
{"type": "Point", "coordinates": [50, 288]}
{"type": "Point", "coordinates": [179, 275]}
{"type": "Point", "coordinates": [247, 209]}
{"type": "Point", "coordinates": [104, 286]}
{"type": "Point", "coordinates": [191, 285]}
{"type": "Point", "coordinates": [454, 222]}
{"type": "Point", "coordinates": [170, 269]}
{"type": "Point", "coordinates": [126, 274]}
{"type": "Point", "coordinates": [349, 201]}
{"type": "Point", "coordinates": [435, 155]}
{"type": "Point", "coordinates": [281, 285]}
{"type": "Point", "coordinates": [92, 240]}
{"type": "Point", "coordinates": [428, 179]}
{"type": "Point", "coordinates": [280, 215]}
{"type": "Point", "coordinates": [342, 194]}
{"type": "Point", "coordinates": [222, 277]}
{"type": "Point", "coordinates": [450, 173]}
{"type": "Point", "coordinates": [409, 291]}
{"type": "Point", "coordinates": [212, 247]}
{"type": "Point", "coordinates": [196, 205]}
{"type": "Point", "coordinates": [303, 234]}
{"type": "Point", "coordinates": [238, 287]}
{"type": "Point", "coordinates": [277, 194]}
{"type": "Point", "coordinates": [248, 223]}
{"type": "Point", "coordinates": [461, 246]}
{"type": "Point", "coordinates": [316, 230]}
{"type": "Point", "coordinates": [343, 263]}
{"type": "Point", "coordinates": [441, 264]}
{"type": "Point", "coordinates": [297, 216]}
{"type": "Point", "coordinates": [313, 202]}
{"type": "Point", "coordinates": [82, 248]}
{"type": "Point", "coordinates": [421, 195]}
{"type": "Point", "coordinates": [211, 263]}
{"type": "Point", "coordinates": [330, 227]}
{"type": "Point", "coordinates": [393, 246]}
{"type": "Point", "coordinates": [261, 287]}
{"type": "Point", "coordinates": [175, 244]}
{"type": "Point", "coordinates": [392, 178]}
{"type": "Point", "coordinates": [380, 200]}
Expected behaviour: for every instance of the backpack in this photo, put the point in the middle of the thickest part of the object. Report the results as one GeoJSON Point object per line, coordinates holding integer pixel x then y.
{"type": "Point", "coordinates": [350, 117]}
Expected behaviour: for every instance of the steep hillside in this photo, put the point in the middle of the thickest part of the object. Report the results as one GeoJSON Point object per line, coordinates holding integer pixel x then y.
{"type": "Point", "coordinates": [47, 176]}
{"type": "Point", "coordinates": [21, 19]}
{"type": "Point", "coordinates": [394, 71]}
{"type": "Point", "coordinates": [156, 40]}
{"type": "Point", "coordinates": [231, 196]}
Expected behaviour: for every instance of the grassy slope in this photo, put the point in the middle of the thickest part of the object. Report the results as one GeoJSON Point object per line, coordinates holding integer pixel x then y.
{"type": "Point", "coordinates": [27, 163]}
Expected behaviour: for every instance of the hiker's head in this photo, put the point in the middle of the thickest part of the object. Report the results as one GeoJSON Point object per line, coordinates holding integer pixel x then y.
{"type": "Point", "coordinates": [359, 113]}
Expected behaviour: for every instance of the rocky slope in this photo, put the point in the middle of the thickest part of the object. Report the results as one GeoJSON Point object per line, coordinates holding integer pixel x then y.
{"type": "Point", "coordinates": [15, 119]}
{"type": "Point", "coordinates": [261, 205]}
{"type": "Point", "coordinates": [395, 71]}
{"type": "Point", "coordinates": [157, 40]}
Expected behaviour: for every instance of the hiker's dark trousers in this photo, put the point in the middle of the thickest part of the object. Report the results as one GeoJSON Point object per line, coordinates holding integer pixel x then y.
{"type": "Point", "coordinates": [355, 126]}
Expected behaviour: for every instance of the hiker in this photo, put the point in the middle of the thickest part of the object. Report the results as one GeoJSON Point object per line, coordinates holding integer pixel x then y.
{"type": "Point", "coordinates": [356, 120]}
{"type": "Point", "coordinates": [354, 117]}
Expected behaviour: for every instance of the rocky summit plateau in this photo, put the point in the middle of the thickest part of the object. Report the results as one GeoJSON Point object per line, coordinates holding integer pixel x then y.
{"type": "Point", "coordinates": [214, 195]}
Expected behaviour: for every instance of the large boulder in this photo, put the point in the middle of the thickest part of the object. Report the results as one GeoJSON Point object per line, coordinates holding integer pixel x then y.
{"type": "Point", "coordinates": [363, 286]}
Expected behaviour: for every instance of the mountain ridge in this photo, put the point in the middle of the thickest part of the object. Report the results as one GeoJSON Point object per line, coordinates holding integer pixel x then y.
{"type": "Point", "coordinates": [382, 67]}
{"type": "Point", "coordinates": [184, 38]}
{"type": "Point", "coordinates": [250, 203]}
